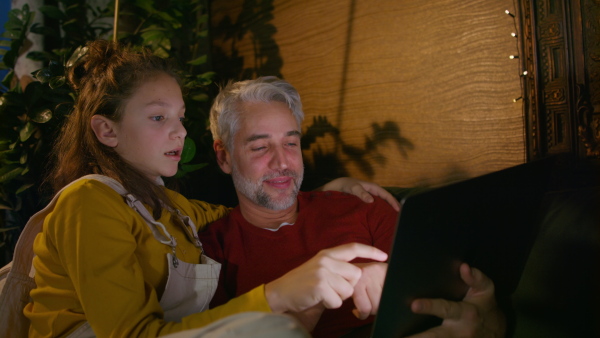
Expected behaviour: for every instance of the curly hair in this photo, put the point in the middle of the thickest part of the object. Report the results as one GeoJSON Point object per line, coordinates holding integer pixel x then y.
{"type": "Point", "coordinates": [104, 79]}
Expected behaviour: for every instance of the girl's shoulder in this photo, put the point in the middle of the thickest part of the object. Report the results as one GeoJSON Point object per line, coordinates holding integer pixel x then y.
{"type": "Point", "coordinates": [89, 194]}
{"type": "Point", "coordinates": [86, 187]}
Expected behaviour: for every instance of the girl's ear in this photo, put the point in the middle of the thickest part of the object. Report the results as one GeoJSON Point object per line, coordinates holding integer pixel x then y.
{"type": "Point", "coordinates": [104, 129]}
{"type": "Point", "coordinates": [223, 158]}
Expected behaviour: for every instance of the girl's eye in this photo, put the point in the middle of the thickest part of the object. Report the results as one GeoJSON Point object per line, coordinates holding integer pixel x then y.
{"type": "Point", "coordinates": [157, 118]}
{"type": "Point", "coordinates": [182, 119]}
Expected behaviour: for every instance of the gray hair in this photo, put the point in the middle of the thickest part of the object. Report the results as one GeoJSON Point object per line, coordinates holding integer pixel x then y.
{"type": "Point", "coordinates": [226, 109]}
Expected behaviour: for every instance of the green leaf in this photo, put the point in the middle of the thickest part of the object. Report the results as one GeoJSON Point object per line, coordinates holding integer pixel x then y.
{"type": "Point", "coordinates": [205, 78]}
{"type": "Point", "coordinates": [24, 187]}
{"type": "Point", "coordinates": [145, 5]}
{"type": "Point", "coordinates": [33, 93]}
{"type": "Point", "coordinates": [42, 115]}
{"type": "Point", "coordinates": [169, 19]}
{"type": "Point", "coordinates": [202, 97]}
{"type": "Point", "coordinates": [9, 58]}
{"type": "Point", "coordinates": [57, 82]}
{"type": "Point", "coordinates": [202, 34]}
{"type": "Point", "coordinates": [12, 99]}
{"type": "Point", "coordinates": [53, 12]}
{"type": "Point", "coordinates": [198, 61]}
{"type": "Point", "coordinates": [192, 167]}
{"type": "Point", "coordinates": [76, 56]}
{"type": "Point", "coordinates": [202, 19]}
{"type": "Point", "coordinates": [8, 79]}
{"type": "Point", "coordinates": [189, 150]}
{"type": "Point", "coordinates": [43, 75]}
{"type": "Point", "coordinates": [38, 56]}
{"type": "Point", "coordinates": [27, 131]}
{"type": "Point", "coordinates": [44, 30]}
{"type": "Point", "coordinates": [9, 172]}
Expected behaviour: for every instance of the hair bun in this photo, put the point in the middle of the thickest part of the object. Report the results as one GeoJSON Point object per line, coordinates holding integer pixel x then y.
{"type": "Point", "coordinates": [89, 62]}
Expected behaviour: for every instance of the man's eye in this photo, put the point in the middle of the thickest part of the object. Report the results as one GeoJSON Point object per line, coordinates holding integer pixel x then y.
{"type": "Point", "coordinates": [157, 118]}
{"type": "Point", "coordinates": [258, 148]}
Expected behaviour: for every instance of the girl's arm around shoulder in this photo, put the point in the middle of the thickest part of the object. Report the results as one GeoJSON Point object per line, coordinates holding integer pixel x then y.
{"type": "Point", "coordinates": [202, 213]}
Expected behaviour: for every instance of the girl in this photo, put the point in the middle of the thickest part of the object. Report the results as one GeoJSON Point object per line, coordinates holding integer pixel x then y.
{"type": "Point", "coordinates": [104, 268]}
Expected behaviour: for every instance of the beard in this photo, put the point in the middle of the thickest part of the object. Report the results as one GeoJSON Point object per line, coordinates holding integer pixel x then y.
{"type": "Point", "coordinates": [255, 192]}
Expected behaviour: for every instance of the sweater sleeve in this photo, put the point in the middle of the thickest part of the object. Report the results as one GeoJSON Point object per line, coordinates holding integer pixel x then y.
{"type": "Point", "coordinates": [205, 213]}
{"type": "Point", "coordinates": [383, 224]}
{"type": "Point", "coordinates": [90, 268]}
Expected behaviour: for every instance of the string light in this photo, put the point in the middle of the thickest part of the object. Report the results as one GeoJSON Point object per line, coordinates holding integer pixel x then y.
{"type": "Point", "coordinates": [523, 73]}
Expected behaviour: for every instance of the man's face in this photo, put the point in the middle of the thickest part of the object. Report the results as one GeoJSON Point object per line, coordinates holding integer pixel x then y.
{"type": "Point", "coordinates": [266, 163]}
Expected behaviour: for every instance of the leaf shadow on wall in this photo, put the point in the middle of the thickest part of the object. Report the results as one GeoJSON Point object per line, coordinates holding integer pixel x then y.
{"type": "Point", "coordinates": [321, 166]}
{"type": "Point", "coordinates": [253, 23]}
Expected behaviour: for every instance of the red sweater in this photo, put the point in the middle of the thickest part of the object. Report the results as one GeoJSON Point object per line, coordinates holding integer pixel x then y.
{"type": "Point", "coordinates": [252, 256]}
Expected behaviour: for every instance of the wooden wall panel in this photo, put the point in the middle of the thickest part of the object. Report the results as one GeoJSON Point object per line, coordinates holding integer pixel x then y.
{"type": "Point", "coordinates": [402, 93]}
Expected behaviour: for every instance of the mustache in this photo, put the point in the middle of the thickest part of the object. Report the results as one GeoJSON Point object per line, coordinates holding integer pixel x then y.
{"type": "Point", "coordinates": [279, 173]}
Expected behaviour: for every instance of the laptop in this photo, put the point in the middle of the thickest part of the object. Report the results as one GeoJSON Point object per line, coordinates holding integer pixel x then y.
{"type": "Point", "coordinates": [489, 222]}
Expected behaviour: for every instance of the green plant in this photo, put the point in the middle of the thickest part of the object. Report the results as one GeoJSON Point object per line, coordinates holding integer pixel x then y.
{"type": "Point", "coordinates": [28, 117]}
{"type": "Point", "coordinates": [31, 115]}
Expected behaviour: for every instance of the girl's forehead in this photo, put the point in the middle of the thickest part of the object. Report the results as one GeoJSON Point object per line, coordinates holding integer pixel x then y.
{"type": "Point", "coordinates": [161, 91]}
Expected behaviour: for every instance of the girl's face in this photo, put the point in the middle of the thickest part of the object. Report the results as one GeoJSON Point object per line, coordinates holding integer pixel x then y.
{"type": "Point", "coordinates": [150, 135]}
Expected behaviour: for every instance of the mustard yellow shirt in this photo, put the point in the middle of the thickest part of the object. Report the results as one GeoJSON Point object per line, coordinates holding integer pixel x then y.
{"type": "Point", "coordinates": [97, 261]}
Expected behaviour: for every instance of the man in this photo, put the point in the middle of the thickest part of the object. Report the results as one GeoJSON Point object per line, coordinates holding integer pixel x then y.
{"type": "Point", "coordinates": [256, 130]}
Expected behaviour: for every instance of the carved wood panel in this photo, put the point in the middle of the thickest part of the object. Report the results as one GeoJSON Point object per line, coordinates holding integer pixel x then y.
{"type": "Point", "coordinates": [562, 88]}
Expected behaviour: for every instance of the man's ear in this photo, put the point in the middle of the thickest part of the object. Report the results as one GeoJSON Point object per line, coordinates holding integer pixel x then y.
{"type": "Point", "coordinates": [223, 158]}
{"type": "Point", "coordinates": [104, 128]}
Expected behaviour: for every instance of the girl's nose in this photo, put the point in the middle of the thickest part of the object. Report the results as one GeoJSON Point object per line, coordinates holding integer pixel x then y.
{"type": "Point", "coordinates": [179, 130]}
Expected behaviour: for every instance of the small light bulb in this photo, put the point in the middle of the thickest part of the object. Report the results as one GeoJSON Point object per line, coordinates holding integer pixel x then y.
{"type": "Point", "coordinates": [513, 57]}
{"type": "Point", "coordinates": [513, 34]}
{"type": "Point", "coordinates": [524, 73]}
{"type": "Point", "coordinates": [509, 13]}
{"type": "Point", "coordinates": [517, 99]}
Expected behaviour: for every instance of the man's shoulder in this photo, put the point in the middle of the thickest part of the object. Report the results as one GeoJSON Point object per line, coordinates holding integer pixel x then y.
{"type": "Point", "coordinates": [337, 197]}
{"type": "Point", "coordinates": [327, 195]}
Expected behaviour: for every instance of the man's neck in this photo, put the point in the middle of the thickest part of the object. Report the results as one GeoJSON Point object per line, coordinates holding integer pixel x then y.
{"type": "Point", "coordinates": [266, 218]}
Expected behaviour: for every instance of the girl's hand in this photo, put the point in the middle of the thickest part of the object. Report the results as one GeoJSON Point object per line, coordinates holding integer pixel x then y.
{"type": "Point", "coordinates": [326, 279]}
{"type": "Point", "coordinates": [362, 189]}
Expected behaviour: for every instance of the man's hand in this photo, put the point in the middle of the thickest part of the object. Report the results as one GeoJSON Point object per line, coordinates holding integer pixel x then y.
{"type": "Point", "coordinates": [367, 292]}
{"type": "Point", "coordinates": [327, 278]}
{"type": "Point", "coordinates": [362, 189]}
{"type": "Point", "coordinates": [477, 315]}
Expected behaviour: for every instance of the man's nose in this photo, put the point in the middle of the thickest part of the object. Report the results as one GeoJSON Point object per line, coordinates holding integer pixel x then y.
{"type": "Point", "coordinates": [279, 159]}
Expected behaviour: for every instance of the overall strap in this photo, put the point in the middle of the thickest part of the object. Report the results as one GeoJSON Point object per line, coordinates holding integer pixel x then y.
{"type": "Point", "coordinates": [158, 229]}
